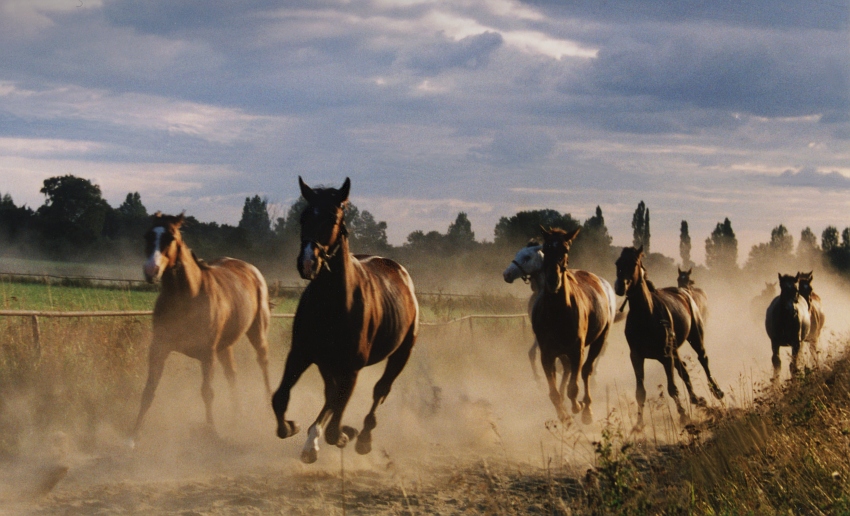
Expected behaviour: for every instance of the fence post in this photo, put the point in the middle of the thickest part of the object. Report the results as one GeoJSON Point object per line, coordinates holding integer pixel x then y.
{"type": "Point", "coordinates": [36, 336]}
{"type": "Point", "coordinates": [471, 332]}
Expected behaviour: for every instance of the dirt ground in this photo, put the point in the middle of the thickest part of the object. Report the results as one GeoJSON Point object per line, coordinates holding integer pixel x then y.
{"type": "Point", "coordinates": [466, 424]}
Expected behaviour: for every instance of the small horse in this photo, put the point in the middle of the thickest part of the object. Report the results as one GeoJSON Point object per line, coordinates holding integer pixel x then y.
{"type": "Point", "coordinates": [815, 310]}
{"type": "Point", "coordinates": [571, 318]}
{"type": "Point", "coordinates": [528, 266]}
{"type": "Point", "coordinates": [357, 311]}
{"type": "Point", "coordinates": [659, 321]}
{"type": "Point", "coordinates": [684, 281]}
{"type": "Point", "coordinates": [787, 321]}
{"type": "Point", "coordinates": [201, 311]}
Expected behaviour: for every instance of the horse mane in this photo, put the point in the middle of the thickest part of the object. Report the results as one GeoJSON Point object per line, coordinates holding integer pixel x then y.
{"type": "Point", "coordinates": [534, 242]}
{"type": "Point", "coordinates": [200, 261]}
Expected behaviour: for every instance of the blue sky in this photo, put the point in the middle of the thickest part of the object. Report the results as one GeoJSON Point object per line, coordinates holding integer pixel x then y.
{"type": "Point", "coordinates": [704, 110]}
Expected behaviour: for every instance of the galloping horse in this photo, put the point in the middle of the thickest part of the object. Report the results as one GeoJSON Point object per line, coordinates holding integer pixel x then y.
{"type": "Point", "coordinates": [659, 321]}
{"type": "Point", "coordinates": [356, 311]}
{"type": "Point", "coordinates": [816, 315]}
{"type": "Point", "coordinates": [571, 317]}
{"type": "Point", "coordinates": [528, 265]}
{"type": "Point", "coordinates": [787, 321]}
{"type": "Point", "coordinates": [684, 281]}
{"type": "Point", "coordinates": [202, 310]}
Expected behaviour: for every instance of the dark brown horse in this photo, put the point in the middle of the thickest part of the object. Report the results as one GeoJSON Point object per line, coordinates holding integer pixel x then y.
{"type": "Point", "coordinates": [356, 311]}
{"type": "Point", "coordinates": [684, 281]}
{"type": "Point", "coordinates": [659, 321]}
{"type": "Point", "coordinates": [201, 311]}
{"type": "Point", "coordinates": [816, 315]}
{"type": "Point", "coordinates": [571, 318]}
{"type": "Point", "coordinates": [787, 322]}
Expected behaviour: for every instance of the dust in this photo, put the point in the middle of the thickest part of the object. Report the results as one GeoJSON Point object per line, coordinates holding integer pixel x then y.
{"type": "Point", "coordinates": [467, 396]}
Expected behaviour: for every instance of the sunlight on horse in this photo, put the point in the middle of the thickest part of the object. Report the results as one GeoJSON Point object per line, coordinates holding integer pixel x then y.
{"type": "Point", "coordinates": [658, 323]}
{"type": "Point", "coordinates": [787, 322]}
{"type": "Point", "coordinates": [816, 314]}
{"type": "Point", "coordinates": [357, 311]}
{"type": "Point", "coordinates": [201, 311]}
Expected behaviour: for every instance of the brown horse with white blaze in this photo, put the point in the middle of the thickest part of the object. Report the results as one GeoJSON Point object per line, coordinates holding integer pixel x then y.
{"type": "Point", "coordinates": [571, 318]}
{"type": "Point", "coordinates": [202, 310]}
{"type": "Point", "coordinates": [357, 311]}
{"type": "Point", "coordinates": [658, 323]}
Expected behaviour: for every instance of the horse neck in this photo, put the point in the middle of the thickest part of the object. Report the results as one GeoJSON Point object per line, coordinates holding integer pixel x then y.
{"type": "Point", "coordinates": [342, 274]}
{"type": "Point", "coordinates": [639, 295]}
{"type": "Point", "coordinates": [184, 277]}
{"type": "Point", "coordinates": [537, 281]}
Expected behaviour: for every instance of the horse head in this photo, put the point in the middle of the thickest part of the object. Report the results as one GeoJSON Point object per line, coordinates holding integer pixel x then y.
{"type": "Point", "coordinates": [162, 245]}
{"type": "Point", "coordinates": [556, 251]}
{"type": "Point", "coordinates": [788, 287]}
{"type": "Point", "coordinates": [805, 284]}
{"type": "Point", "coordinates": [629, 269]}
{"type": "Point", "coordinates": [527, 262]}
{"type": "Point", "coordinates": [322, 227]}
{"type": "Point", "coordinates": [684, 279]}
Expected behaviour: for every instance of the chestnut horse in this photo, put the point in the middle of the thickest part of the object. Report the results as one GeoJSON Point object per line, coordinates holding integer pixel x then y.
{"type": "Point", "coordinates": [356, 311]}
{"type": "Point", "coordinates": [201, 311]}
{"type": "Point", "coordinates": [684, 281]}
{"type": "Point", "coordinates": [816, 315]}
{"type": "Point", "coordinates": [571, 318]}
{"type": "Point", "coordinates": [659, 321]}
{"type": "Point", "coordinates": [787, 321]}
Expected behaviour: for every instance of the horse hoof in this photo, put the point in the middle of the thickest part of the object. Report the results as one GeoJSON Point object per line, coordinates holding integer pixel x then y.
{"type": "Point", "coordinates": [363, 447]}
{"type": "Point", "coordinates": [350, 432]}
{"type": "Point", "coordinates": [587, 416]}
{"type": "Point", "coordinates": [309, 456]}
{"type": "Point", "coordinates": [717, 393]}
{"type": "Point", "coordinates": [699, 401]}
{"type": "Point", "coordinates": [287, 429]}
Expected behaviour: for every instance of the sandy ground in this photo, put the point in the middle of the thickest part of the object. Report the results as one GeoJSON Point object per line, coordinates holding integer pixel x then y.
{"type": "Point", "coordinates": [466, 402]}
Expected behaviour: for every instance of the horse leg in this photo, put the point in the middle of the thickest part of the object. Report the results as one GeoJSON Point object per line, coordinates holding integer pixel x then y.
{"type": "Point", "coordinates": [572, 387]}
{"type": "Point", "coordinates": [395, 363]}
{"type": "Point", "coordinates": [777, 363]}
{"type": "Point", "coordinates": [296, 364]}
{"type": "Point", "coordinates": [547, 360]}
{"type": "Point", "coordinates": [565, 376]}
{"type": "Point", "coordinates": [672, 390]}
{"type": "Point", "coordinates": [225, 356]}
{"type": "Point", "coordinates": [532, 357]}
{"type": "Point", "coordinates": [586, 370]}
{"type": "Point", "coordinates": [795, 352]}
{"type": "Point", "coordinates": [640, 391]}
{"type": "Point", "coordinates": [156, 363]}
{"type": "Point", "coordinates": [697, 342]}
{"type": "Point", "coordinates": [683, 373]}
{"type": "Point", "coordinates": [207, 394]}
{"type": "Point", "coordinates": [335, 433]}
{"type": "Point", "coordinates": [257, 336]}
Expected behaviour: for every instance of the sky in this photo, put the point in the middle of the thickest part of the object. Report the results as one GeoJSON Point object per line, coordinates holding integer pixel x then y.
{"type": "Point", "coordinates": [703, 110]}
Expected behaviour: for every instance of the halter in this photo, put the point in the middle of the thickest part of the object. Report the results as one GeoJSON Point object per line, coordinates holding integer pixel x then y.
{"type": "Point", "coordinates": [526, 276]}
{"type": "Point", "coordinates": [327, 252]}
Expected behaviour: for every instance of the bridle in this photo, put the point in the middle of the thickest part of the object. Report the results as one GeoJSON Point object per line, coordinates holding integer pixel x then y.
{"type": "Point", "coordinates": [327, 252]}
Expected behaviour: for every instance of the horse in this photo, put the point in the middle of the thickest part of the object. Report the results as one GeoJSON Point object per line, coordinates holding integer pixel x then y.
{"type": "Point", "coordinates": [684, 281]}
{"type": "Point", "coordinates": [816, 315]}
{"type": "Point", "coordinates": [528, 266]}
{"type": "Point", "coordinates": [356, 311]}
{"type": "Point", "coordinates": [201, 311]}
{"type": "Point", "coordinates": [658, 323]}
{"type": "Point", "coordinates": [571, 318]}
{"type": "Point", "coordinates": [762, 301]}
{"type": "Point", "coordinates": [787, 321]}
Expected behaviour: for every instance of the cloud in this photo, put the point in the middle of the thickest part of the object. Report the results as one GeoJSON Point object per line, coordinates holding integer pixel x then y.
{"type": "Point", "coordinates": [811, 178]}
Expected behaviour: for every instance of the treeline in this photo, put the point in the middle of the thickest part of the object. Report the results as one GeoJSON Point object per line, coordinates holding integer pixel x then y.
{"type": "Point", "coordinates": [75, 223]}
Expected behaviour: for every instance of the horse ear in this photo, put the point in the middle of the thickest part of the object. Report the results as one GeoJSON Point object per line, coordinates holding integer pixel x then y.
{"type": "Point", "coordinates": [306, 192]}
{"type": "Point", "coordinates": [545, 231]}
{"type": "Point", "coordinates": [779, 275]}
{"type": "Point", "coordinates": [680, 270]}
{"type": "Point", "coordinates": [180, 219]}
{"type": "Point", "coordinates": [571, 235]}
{"type": "Point", "coordinates": [343, 192]}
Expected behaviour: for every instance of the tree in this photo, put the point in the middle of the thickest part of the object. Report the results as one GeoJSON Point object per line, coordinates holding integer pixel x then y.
{"type": "Point", "coordinates": [367, 234]}
{"type": "Point", "coordinates": [685, 245]}
{"type": "Point", "coordinates": [640, 227]}
{"type": "Point", "coordinates": [255, 220]}
{"type": "Point", "coordinates": [132, 207]}
{"type": "Point", "coordinates": [807, 248]}
{"type": "Point", "coordinates": [829, 239]}
{"type": "Point", "coordinates": [516, 231]}
{"type": "Point", "coordinates": [460, 235]}
{"type": "Point", "coordinates": [592, 248]}
{"type": "Point", "coordinates": [845, 238]}
{"type": "Point", "coordinates": [721, 248]}
{"type": "Point", "coordinates": [74, 211]}
{"type": "Point", "coordinates": [14, 220]}
{"type": "Point", "coordinates": [781, 241]}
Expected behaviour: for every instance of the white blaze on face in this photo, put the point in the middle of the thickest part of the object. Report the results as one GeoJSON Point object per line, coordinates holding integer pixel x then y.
{"type": "Point", "coordinates": [307, 258]}
{"type": "Point", "coordinates": [153, 267]}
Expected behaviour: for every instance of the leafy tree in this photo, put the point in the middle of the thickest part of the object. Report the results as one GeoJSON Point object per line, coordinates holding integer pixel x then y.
{"type": "Point", "coordinates": [367, 234]}
{"type": "Point", "coordinates": [74, 212]}
{"type": "Point", "coordinates": [14, 220]}
{"type": "Point", "coordinates": [781, 241]}
{"type": "Point", "coordinates": [515, 231]}
{"type": "Point", "coordinates": [685, 245]}
{"type": "Point", "coordinates": [640, 227]}
{"type": "Point", "coordinates": [255, 221]}
{"type": "Point", "coordinates": [432, 242]}
{"type": "Point", "coordinates": [460, 235]}
{"type": "Point", "coordinates": [721, 248]}
{"type": "Point", "coordinates": [845, 238]}
{"type": "Point", "coordinates": [129, 220]}
{"type": "Point", "coordinates": [829, 239]}
{"type": "Point", "coordinates": [773, 254]}
{"type": "Point", "coordinates": [593, 244]}
{"type": "Point", "coordinates": [132, 207]}
{"type": "Point", "coordinates": [807, 248]}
